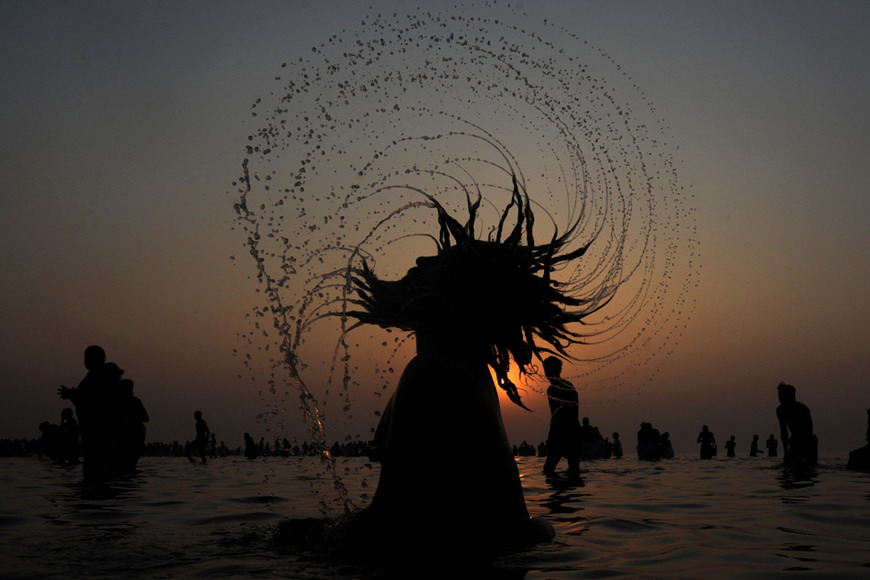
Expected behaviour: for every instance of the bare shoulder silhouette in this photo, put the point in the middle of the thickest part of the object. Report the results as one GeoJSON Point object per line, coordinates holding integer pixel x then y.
{"type": "Point", "coordinates": [799, 442]}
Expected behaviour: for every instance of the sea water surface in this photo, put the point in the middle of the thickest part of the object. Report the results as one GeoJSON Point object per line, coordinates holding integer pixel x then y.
{"type": "Point", "coordinates": [680, 518]}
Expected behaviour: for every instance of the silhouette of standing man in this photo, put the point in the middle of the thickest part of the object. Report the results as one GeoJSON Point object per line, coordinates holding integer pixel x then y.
{"type": "Point", "coordinates": [772, 445]}
{"type": "Point", "coordinates": [753, 447]}
{"type": "Point", "coordinates": [92, 402]}
{"type": "Point", "coordinates": [564, 437]}
{"type": "Point", "coordinates": [799, 444]}
{"type": "Point", "coordinates": [730, 447]}
{"type": "Point", "coordinates": [200, 444]}
{"type": "Point", "coordinates": [708, 443]}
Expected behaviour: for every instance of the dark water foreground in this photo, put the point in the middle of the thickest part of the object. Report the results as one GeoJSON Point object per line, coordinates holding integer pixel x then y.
{"type": "Point", "coordinates": [684, 518]}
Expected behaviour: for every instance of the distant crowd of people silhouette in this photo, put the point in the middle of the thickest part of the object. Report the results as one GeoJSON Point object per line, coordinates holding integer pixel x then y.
{"type": "Point", "coordinates": [800, 444]}
{"type": "Point", "coordinates": [110, 431]}
{"type": "Point", "coordinates": [569, 439]}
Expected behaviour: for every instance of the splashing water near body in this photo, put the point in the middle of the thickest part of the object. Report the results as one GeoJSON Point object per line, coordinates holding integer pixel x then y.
{"type": "Point", "coordinates": [453, 104]}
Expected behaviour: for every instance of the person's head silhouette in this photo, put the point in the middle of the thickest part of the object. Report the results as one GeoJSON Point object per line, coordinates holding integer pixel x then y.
{"type": "Point", "coordinates": [553, 367]}
{"type": "Point", "coordinates": [786, 393]}
{"type": "Point", "coordinates": [488, 300]}
{"type": "Point", "coordinates": [95, 357]}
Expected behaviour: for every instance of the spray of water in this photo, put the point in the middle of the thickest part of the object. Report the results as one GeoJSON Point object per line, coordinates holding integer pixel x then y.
{"type": "Point", "coordinates": [358, 133]}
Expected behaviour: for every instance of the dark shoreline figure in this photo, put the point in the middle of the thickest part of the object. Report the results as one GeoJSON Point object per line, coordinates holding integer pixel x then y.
{"type": "Point", "coordinates": [799, 443]}
{"type": "Point", "coordinates": [127, 422]}
{"type": "Point", "coordinates": [859, 459]}
{"type": "Point", "coordinates": [648, 443]}
{"type": "Point", "coordinates": [666, 448]}
{"type": "Point", "coordinates": [131, 428]}
{"type": "Point", "coordinates": [70, 434]}
{"type": "Point", "coordinates": [753, 447]}
{"type": "Point", "coordinates": [617, 446]}
{"type": "Point", "coordinates": [563, 439]}
{"type": "Point", "coordinates": [708, 443]}
{"type": "Point", "coordinates": [92, 400]}
{"type": "Point", "coordinates": [730, 447]}
{"type": "Point", "coordinates": [51, 442]}
{"type": "Point", "coordinates": [251, 449]}
{"type": "Point", "coordinates": [200, 444]}
{"type": "Point", "coordinates": [772, 445]}
{"type": "Point", "coordinates": [475, 306]}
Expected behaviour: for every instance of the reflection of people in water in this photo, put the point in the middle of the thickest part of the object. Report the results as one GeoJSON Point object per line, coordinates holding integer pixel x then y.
{"type": "Point", "coordinates": [474, 306]}
{"type": "Point", "coordinates": [200, 444]}
{"type": "Point", "coordinates": [563, 439]}
{"type": "Point", "coordinates": [708, 443]}
{"type": "Point", "coordinates": [799, 443]}
{"type": "Point", "coordinates": [772, 445]}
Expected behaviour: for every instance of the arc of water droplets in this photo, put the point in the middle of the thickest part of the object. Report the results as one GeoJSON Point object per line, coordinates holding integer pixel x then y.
{"type": "Point", "coordinates": [454, 104]}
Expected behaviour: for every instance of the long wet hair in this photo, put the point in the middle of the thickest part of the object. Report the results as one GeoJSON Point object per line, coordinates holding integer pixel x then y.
{"type": "Point", "coordinates": [493, 297]}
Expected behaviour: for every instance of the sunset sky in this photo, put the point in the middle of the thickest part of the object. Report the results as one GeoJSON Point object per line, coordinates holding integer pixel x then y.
{"type": "Point", "coordinates": [125, 124]}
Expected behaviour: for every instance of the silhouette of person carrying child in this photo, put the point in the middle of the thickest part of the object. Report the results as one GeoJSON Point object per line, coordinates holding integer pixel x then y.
{"type": "Point", "coordinates": [92, 399]}
{"type": "Point", "coordinates": [799, 443]}
{"type": "Point", "coordinates": [563, 439]}
{"type": "Point", "coordinates": [110, 419]}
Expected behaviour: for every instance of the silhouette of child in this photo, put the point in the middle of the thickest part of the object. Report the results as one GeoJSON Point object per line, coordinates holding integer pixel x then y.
{"type": "Point", "coordinates": [617, 446]}
{"type": "Point", "coordinates": [667, 448]}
